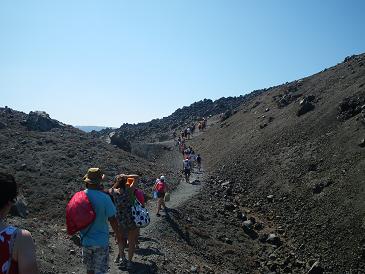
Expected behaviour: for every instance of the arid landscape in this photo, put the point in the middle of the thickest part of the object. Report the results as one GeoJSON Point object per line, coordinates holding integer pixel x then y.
{"type": "Point", "coordinates": [282, 188]}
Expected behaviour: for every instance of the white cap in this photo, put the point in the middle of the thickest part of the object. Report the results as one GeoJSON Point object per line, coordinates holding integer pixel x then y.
{"type": "Point", "coordinates": [162, 178]}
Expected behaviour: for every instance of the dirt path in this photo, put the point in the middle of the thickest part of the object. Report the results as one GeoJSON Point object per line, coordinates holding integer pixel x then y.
{"type": "Point", "coordinates": [150, 249]}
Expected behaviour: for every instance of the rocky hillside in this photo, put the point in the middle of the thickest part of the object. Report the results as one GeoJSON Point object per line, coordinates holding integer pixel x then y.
{"type": "Point", "coordinates": [286, 187]}
{"type": "Point", "coordinates": [163, 129]}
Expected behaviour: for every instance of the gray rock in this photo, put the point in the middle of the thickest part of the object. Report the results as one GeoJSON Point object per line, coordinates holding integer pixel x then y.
{"type": "Point", "coordinates": [305, 106]}
{"type": "Point", "coordinates": [118, 140]}
{"type": "Point", "coordinates": [19, 208]}
{"type": "Point", "coordinates": [225, 184]}
{"type": "Point", "coordinates": [40, 121]}
{"type": "Point", "coordinates": [316, 268]}
{"type": "Point", "coordinates": [362, 143]}
{"type": "Point", "coordinates": [194, 269]}
{"type": "Point", "coordinates": [241, 216]}
{"type": "Point", "coordinates": [263, 125]}
{"type": "Point", "coordinates": [273, 239]}
{"type": "Point", "coordinates": [247, 225]}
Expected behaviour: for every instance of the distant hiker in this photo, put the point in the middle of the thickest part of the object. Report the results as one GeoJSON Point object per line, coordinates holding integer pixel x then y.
{"type": "Point", "coordinates": [95, 238]}
{"type": "Point", "coordinates": [123, 198]}
{"type": "Point", "coordinates": [188, 133]}
{"type": "Point", "coordinates": [204, 124]}
{"type": "Point", "coordinates": [17, 249]}
{"type": "Point", "coordinates": [193, 129]}
{"type": "Point", "coordinates": [199, 161]}
{"type": "Point", "coordinates": [161, 188]}
{"type": "Point", "coordinates": [187, 169]}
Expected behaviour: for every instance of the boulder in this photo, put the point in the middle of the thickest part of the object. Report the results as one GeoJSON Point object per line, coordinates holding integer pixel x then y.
{"type": "Point", "coordinates": [273, 239]}
{"type": "Point", "coordinates": [350, 107]}
{"type": "Point", "coordinates": [305, 105]}
{"type": "Point", "coordinates": [362, 143]}
{"type": "Point", "coordinates": [248, 229]}
{"type": "Point", "coordinates": [19, 208]}
{"type": "Point", "coordinates": [40, 121]}
{"type": "Point", "coordinates": [319, 186]}
{"type": "Point", "coordinates": [118, 140]}
{"type": "Point", "coordinates": [247, 226]}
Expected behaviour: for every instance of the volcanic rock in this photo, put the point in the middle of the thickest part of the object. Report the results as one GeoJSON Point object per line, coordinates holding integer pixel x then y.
{"type": "Point", "coordinates": [118, 140]}
{"type": "Point", "coordinates": [305, 105]}
{"type": "Point", "coordinates": [19, 208]}
{"type": "Point", "coordinates": [40, 121]}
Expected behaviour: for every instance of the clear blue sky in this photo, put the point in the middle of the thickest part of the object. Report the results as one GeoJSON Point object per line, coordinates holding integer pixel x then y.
{"type": "Point", "coordinates": [108, 62]}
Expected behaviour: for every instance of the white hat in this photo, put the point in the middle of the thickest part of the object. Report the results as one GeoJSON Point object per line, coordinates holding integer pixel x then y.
{"type": "Point", "coordinates": [162, 178]}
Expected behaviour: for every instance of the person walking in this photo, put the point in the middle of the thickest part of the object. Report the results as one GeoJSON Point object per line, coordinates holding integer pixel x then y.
{"type": "Point", "coordinates": [199, 162]}
{"type": "Point", "coordinates": [95, 238]}
{"type": "Point", "coordinates": [17, 249]}
{"type": "Point", "coordinates": [123, 198]}
{"type": "Point", "coordinates": [161, 188]}
{"type": "Point", "coordinates": [187, 169]}
{"type": "Point", "coordinates": [140, 196]}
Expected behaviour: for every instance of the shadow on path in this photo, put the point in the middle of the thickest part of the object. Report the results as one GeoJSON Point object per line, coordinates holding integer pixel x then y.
{"type": "Point", "coordinates": [148, 251]}
{"type": "Point", "coordinates": [175, 226]}
{"type": "Point", "coordinates": [141, 268]}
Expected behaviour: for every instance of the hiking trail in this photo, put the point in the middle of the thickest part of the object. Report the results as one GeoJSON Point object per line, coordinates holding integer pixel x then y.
{"type": "Point", "coordinates": [151, 249]}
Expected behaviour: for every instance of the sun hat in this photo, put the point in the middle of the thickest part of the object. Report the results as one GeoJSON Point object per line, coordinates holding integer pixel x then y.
{"type": "Point", "coordinates": [130, 182]}
{"type": "Point", "coordinates": [94, 175]}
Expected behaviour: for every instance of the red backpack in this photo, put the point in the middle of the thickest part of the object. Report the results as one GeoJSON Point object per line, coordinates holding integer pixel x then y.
{"type": "Point", "coordinates": [160, 186]}
{"type": "Point", "coordinates": [79, 213]}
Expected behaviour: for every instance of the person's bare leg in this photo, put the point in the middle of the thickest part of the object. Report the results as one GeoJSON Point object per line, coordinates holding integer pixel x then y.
{"type": "Point", "coordinates": [122, 245]}
{"type": "Point", "coordinates": [159, 201]}
{"type": "Point", "coordinates": [132, 239]}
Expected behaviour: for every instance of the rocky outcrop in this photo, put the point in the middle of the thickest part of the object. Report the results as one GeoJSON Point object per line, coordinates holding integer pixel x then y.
{"type": "Point", "coordinates": [163, 129]}
{"type": "Point", "coordinates": [118, 140]}
{"type": "Point", "coordinates": [350, 107]}
{"type": "Point", "coordinates": [40, 121]}
{"type": "Point", "coordinates": [305, 105]}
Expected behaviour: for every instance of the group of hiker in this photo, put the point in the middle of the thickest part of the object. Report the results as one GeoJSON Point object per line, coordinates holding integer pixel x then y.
{"type": "Point", "coordinates": [188, 131]}
{"type": "Point", "coordinates": [189, 159]}
{"type": "Point", "coordinates": [123, 206]}
{"type": "Point", "coordinates": [114, 206]}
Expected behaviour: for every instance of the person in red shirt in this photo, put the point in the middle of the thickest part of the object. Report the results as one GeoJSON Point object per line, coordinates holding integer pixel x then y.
{"type": "Point", "coordinates": [17, 249]}
{"type": "Point", "coordinates": [161, 188]}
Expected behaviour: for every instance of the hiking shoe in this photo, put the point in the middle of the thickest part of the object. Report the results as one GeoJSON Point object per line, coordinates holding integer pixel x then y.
{"type": "Point", "coordinates": [158, 215]}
